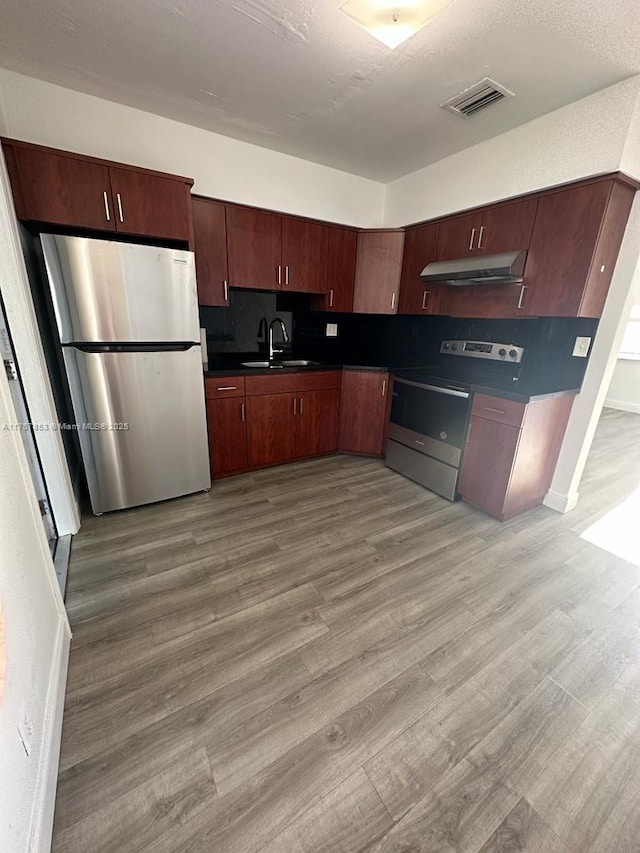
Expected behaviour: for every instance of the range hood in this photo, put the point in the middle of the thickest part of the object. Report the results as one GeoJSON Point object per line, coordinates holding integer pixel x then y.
{"type": "Point", "coordinates": [506, 268]}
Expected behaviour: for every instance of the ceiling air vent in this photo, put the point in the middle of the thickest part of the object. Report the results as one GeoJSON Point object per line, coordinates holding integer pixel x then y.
{"type": "Point", "coordinates": [477, 97]}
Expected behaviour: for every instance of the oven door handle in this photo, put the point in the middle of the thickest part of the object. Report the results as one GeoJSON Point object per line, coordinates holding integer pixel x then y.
{"type": "Point", "coordinates": [437, 388]}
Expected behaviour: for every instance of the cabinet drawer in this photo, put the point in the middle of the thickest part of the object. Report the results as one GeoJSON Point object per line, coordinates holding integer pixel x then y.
{"type": "Point", "coordinates": [498, 409]}
{"type": "Point", "coordinates": [284, 383]}
{"type": "Point", "coordinates": [224, 386]}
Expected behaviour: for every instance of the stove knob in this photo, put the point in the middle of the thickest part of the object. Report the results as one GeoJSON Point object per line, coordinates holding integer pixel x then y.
{"type": "Point", "coordinates": [502, 353]}
{"type": "Point", "coordinates": [446, 345]}
{"type": "Point", "coordinates": [454, 347]}
{"type": "Point", "coordinates": [513, 353]}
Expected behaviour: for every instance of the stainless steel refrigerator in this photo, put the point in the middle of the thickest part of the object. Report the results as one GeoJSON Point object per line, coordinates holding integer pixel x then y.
{"type": "Point", "coordinates": [127, 317]}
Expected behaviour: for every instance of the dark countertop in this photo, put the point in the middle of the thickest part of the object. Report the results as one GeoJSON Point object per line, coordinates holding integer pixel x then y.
{"type": "Point", "coordinates": [522, 394]}
{"type": "Point", "coordinates": [240, 370]}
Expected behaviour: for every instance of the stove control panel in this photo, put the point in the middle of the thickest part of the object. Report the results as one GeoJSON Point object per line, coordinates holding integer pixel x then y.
{"type": "Point", "coordinates": [484, 349]}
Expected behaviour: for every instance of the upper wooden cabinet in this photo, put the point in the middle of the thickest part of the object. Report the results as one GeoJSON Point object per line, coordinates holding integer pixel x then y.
{"type": "Point", "coordinates": [457, 236]}
{"type": "Point", "coordinates": [342, 245]}
{"type": "Point", "coordinates": [378, 267]}
{"type": "Point", "coordinates": [304, 255]}
{"type": "Point", "coordinates": [497, 228]}
{"type": "Point", "coordinates": [574, 248]}
{"type": "Point", "coordinates": [62, 188]}
{"type": "Point", "coordinates": [254, 243]}
{"type": "Point", "coordinates": [506, 227]}
{"type": "Point", "coordinates": [420, 248]}
{"type": "Point", "coordinates": [210, 239]}
{"type": "Point", "coordinates": [273, 252]}
{"type": "Point", "coordinates": [149, 205]}
{"type": "Point", "coordinates": [49, 187]}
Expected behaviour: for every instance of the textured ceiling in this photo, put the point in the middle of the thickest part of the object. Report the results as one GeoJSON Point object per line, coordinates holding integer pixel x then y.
{"type": "Point", "coordinates": [301, 77]}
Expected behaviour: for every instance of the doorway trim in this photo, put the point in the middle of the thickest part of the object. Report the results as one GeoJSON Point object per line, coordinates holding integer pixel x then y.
{"type": "Point", "coordinates": [25, 336]}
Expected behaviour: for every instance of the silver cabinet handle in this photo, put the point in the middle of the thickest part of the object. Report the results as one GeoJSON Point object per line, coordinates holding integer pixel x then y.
{"type": "Point", "coordinates": [225, 290]}
{"type": "Point", "coordinates": [227, 387]}
{"type": "Point", "coordinates": [119, 200]}
{"type": "Point", "coordinates": [497, 411]}
{"type": "Point", "coordinates": [473, 235]}
{"type": "Point", "coordinates": [243, 413]}
{"type": "Point", "coordinates": [331, 299]}
{"type": "Point", "coordinates": [279, 274]}
{"type": "Point", "coordinates": [295, 405]}
{"type": "Point", "coordinates": [286, 275]}
{"type": "Point", "coordinates": [300, 410]}
{"type": "Point", "coordinates": [424, 300]}
{"type": "Point", "coordinates": [106, 206]}
{"type": "Point", "coordinates": [479, 246]}
{"type": "Point", "coordinates": [384, 387]}
{"type": "Point", "coordinates": [393, 300]}
{"type": "Point", "coordinates": [523, 287]}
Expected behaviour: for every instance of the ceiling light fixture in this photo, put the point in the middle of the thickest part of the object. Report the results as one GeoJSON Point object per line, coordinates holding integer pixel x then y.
{"type": "Point", "coordinates": [391, 22]}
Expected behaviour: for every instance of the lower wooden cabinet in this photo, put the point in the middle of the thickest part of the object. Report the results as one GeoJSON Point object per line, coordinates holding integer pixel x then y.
{"type": "Point", "coordinates": [284, 427]}
{"type": "Point", "coordinates": [227, 435]}
{"type": "Point", "coordinates": [511, 453]}
{"type": "Point", "coordinates": [262, 420]}
{"type": "Point", "coordinates": [271, 429]}
{"type": "Point", "coordinates": [317, 415]}
{"type": "Point", "coordinates": [363, 412]}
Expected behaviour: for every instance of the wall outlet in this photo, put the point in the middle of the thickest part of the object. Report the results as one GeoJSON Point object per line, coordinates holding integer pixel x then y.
{"type": "Point", "coordinates": [581, 347]}
{"type": "Point", "coordinates": [332, 330]}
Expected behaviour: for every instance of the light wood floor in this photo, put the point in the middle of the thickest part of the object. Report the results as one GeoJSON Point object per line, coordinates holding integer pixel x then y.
{"type": "Point", "coordinates": [326, 658]}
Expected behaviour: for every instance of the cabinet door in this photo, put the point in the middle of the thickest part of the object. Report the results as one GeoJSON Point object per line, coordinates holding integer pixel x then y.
{"type": "Point", "coordinates": [61, 190]}
{"type": "Point", "coordinates": [271, 429]}
{"type": "Point", "coordinates": [227, 435]}
{"type": "Point", "coordinates": [254, 243]}
{"type": "Point", "coordinates": [317, 421]}
{"type": "Point", "coordinates": [210, 238]}
{"type": "Point", "coordinates": [458, 237]}
{"type": "Point", "coordinates": [151, 206]}
{"type": "Point", "coordinates": [487, 464]}
{"type": "Point", "coordinates": [363, 412]}
{"type": "Point", "coordinates": [506, 227]}
{"type": "Point", "coordinates": [420, 248]}
{"type": "Point", "coordinates": [304, 255]}
{"type": "Point", "coordinates": [563, 243]}
{"type": "Point", "coordinates": [482, 300]}
{"type": "Point", "coordinates": [341, 271]}
{"type": "Point", "coordinates": [378, 265]}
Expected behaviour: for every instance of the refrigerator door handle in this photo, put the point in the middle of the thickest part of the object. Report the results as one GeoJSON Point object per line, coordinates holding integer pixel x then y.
{"type": "Point", "coordinates": [160, 346]}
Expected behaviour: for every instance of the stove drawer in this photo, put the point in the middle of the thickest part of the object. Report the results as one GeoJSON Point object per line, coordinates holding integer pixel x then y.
{"type": "Point", "coordinates": [498, 409]}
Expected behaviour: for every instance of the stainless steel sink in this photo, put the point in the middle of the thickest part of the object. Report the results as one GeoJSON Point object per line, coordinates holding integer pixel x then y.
{"type": "Point", "coordinates": [270, 364]}
{"type": "Point", "coordinates": [298, 362]}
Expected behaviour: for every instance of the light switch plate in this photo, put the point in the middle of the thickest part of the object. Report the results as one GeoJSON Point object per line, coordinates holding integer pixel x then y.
{"type": "Point", "coordinates": [332, 330]}
{"type": "Point", "coordinates": [581, 347]}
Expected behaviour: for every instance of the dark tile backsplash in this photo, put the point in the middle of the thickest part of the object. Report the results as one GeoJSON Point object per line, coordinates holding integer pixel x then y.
{"type": "Point", "coordinates": [395, 341]}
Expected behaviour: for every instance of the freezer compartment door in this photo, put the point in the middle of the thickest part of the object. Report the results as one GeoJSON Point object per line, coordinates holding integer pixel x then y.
{"type": "Point", "coordinates": [142, 424]}
{"type": "Point", "coordinates": [104, 291]}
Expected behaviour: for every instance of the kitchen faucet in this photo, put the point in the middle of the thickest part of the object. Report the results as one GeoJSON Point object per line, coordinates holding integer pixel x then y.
{"type": "Point", "coordinates": [285, 336]}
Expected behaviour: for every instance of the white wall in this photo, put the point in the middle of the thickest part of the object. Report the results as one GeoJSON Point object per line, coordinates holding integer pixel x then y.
{"type": "Point", "coordinates": [37, 638]}
{"type": "Point", "coordinates": [222, 167]}
{"type": "Point", "coordinates": [624, 391]}
{"type": "Point", "coordinates": [585, 138]}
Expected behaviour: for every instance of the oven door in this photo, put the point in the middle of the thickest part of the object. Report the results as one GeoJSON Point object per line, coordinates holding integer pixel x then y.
{"type": "Point", "coordinates": [430, 419]}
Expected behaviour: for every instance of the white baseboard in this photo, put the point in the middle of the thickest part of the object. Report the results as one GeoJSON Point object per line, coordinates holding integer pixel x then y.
{"type": "Point", "coordinates": [559, 502]}
{"type": "Point", "coordinates": [623, 405]}
{"type": "Point", "coordinates": [45, 799]}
